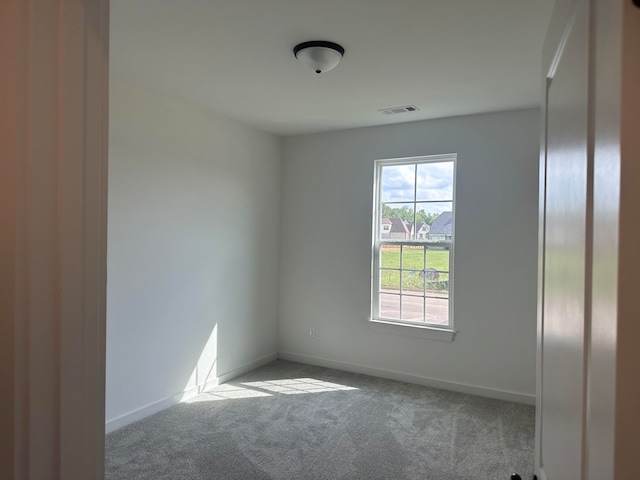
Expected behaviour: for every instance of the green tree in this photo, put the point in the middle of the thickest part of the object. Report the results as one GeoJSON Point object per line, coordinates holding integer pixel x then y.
{"type": "Point", "coordinates": [424, 217]}
{"type": "Point", "coordinates": [386, 211]}
{"type": "Point", "coordinates": [405, 213]}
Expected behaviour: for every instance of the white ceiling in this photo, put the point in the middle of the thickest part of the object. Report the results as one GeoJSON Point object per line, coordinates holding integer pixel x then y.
{"type": "Point", "coordinates": [447, 57]}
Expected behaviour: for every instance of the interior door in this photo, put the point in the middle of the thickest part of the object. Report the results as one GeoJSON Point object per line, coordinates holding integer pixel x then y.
{"type": "Point", "coordinates": [561, 407]}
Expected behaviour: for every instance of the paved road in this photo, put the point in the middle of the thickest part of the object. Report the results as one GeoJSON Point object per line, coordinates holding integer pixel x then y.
{"type": "Point", "coordinates": [437, 308]}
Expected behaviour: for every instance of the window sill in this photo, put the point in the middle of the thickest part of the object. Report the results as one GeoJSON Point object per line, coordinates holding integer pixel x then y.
{"type": "Point", "coordinates": [421, 331]}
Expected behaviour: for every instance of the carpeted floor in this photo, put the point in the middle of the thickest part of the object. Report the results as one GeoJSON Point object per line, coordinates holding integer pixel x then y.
{"type": "Point", "coordinates": [293, 421]}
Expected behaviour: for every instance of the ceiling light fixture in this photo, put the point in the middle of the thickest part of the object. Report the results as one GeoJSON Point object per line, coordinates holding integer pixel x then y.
{"type": "Point", "coordinates": [319, 55]}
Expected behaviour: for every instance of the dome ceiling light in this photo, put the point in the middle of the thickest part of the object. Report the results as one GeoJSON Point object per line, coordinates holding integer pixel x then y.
{"type": "Point", "coordinates": [319, 55]}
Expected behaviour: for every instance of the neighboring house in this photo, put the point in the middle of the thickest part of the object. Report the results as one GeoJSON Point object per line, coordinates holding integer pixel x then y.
{"type": "Point", "coordinates": [422, 230]}
{"type": "Point", "coordinates": [441, 228]}
{"type": "Point", "coordinates": [398, 229]}
{"type": "Point", "coordinates": [386, 227]}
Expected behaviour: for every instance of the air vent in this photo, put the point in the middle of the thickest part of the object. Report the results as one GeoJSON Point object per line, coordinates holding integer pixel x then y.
{"type": "Point", "coordinates": [396, 110]}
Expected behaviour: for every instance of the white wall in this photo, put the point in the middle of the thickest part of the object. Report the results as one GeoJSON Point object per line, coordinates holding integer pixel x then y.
{"type": "Point", "coordinates": [192, 250]}
{"type": "Point", "coordinates": [326, 253]}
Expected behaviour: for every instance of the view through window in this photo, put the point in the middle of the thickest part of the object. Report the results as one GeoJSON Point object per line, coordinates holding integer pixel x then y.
{"type": "Point", "coordinates": [413, 240]}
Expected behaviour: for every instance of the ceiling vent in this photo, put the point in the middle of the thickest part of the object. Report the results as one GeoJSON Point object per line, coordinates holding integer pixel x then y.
{"type": "Point", "coordinates": [396, 110]}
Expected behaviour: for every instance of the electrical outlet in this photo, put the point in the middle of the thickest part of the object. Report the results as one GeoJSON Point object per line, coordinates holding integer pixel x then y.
{"type": "Point", "coordinates": [312, 332]}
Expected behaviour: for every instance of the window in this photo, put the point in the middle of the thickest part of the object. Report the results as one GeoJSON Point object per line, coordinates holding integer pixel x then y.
{"type": "Point", "coordinates": [414, 241]}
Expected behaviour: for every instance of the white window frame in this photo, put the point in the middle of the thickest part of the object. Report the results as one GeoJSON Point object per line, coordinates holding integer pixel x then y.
{"type": "Point", "coordinates": [413, 328]}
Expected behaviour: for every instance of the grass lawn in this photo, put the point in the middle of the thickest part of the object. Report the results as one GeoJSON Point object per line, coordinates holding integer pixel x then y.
{"type": "Point", "coordinates": [413, 267]}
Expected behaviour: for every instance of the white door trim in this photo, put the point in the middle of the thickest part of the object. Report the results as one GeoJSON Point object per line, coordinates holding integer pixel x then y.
{"type": "Point", "coordinates": [561, 21]}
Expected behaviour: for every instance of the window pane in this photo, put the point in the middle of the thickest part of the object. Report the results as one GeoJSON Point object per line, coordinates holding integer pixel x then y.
{"type": "Point", "coordinates": [437, 259]}
{"type": "Point", "coordinates": [439, 217]}
{"type": "Point", "coordinates": [390, 306]}
{"type": "Point", "coordinates": [437, 310]}
{"type": "Point", "coordinates": [397, 183]}
{"type": "Point", "coordinates": [435, 181]}
{"type": "Point", "coordinates": [413, 282]}
{"type": "Point", "coordinates": [412, 308]}
{"type": "Point", "coordinates": [412, 258]}
{"type": "Point", "coordinates": [438, 287]}
{"type": "Point", "coordinates": [396, 221]}
{"type": "Point", "coordinates": [390, 256]}
{"type": "Point", "coordinates": [390, 280]}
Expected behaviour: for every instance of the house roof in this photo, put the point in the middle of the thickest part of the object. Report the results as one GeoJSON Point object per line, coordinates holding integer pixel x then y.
{"type": "Point", "coordinates": [399, 226]}
{"type": "Point", "coordinates": [442, 224]}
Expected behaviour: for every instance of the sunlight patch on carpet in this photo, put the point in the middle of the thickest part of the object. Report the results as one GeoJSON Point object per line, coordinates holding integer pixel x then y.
{"type": "Point", "coordinates": [228, 392]}
{"type": "Point", "coordinates": [295, 386]}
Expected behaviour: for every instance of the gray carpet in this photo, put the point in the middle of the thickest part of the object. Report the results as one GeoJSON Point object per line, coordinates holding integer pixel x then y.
{"type": "Point", "coordinates": [293, 421]}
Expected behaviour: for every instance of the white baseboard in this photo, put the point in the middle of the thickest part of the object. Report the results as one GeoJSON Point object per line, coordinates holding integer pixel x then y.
{"type": "Point", "coordinates": [404, 377]}
{"type": "Point", "coordinates": [230, 375]}
{"type": "Point", "coordinates": [155, 407]}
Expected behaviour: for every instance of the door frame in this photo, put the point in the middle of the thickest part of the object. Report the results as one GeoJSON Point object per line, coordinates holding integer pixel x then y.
{"type": "Point", "coordinates": [611, 427]}
{"type": "Point", "coordinates": [563, 16]}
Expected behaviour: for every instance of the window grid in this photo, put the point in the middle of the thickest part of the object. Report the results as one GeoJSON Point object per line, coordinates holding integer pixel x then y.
{"type": "Point", "coordinates": [441, 288]}
{"type": "Point", "coordinates": [401, 290]}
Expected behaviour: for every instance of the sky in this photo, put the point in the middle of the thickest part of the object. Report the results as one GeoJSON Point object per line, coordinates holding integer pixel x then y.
{"type": "Point", "coordinates": [434, 182]}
